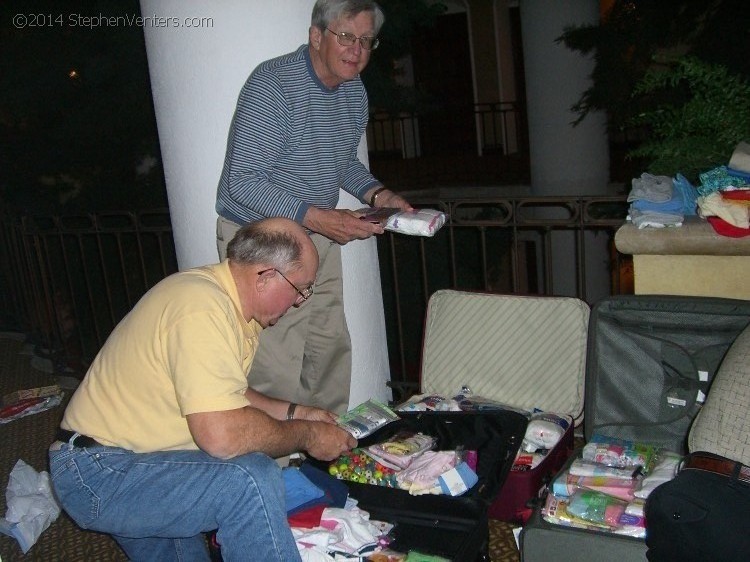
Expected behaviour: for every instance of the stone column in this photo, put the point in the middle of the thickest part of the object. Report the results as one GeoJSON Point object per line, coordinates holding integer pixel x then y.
{"type": "Point", "coordinates": [565, 159]}
{"type": "Point", "coordinates": [199, 55]}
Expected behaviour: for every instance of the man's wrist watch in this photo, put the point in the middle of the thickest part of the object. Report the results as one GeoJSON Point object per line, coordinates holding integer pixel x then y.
{"type": "Point", "coordinates": [290, 411]}
{"type": "Point", "coordinates": [375, 194]}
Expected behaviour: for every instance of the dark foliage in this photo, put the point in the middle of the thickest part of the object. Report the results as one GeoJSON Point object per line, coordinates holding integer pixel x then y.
{"type": "Point", "coordinates": [633, 32]}
{"type": "Point", "coordinates": [702, 113]}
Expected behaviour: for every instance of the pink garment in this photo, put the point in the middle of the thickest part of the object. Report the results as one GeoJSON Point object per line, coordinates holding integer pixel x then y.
{"type": "Point", "coordinates": [423, 471]}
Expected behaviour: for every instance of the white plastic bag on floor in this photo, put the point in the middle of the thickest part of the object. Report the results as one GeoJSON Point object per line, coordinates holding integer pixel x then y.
{"type": "Point", "coordinates": [31, 505]}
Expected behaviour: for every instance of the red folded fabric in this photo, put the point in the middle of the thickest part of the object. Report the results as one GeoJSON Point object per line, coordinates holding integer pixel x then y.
{"type": "Point", "coordinates": [726, 229]}
{"type": "Point", "coordinates": [307, 518]}
{"type": "Point", "coordinates": [736, 194]}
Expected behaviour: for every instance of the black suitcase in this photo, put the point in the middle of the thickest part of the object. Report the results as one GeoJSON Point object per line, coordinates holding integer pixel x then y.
{"type": "Point", "coordinates": [650, 362]}
{"type": "Point", "coordinates": [452, 527]}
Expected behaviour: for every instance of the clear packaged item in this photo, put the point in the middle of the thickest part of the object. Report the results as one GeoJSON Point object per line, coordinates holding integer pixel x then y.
{"type": "Point", "coordinates": [544, 431]}
{"type": "Point", "coordinates": [401, 449]}
{"type": "Point", "coordinates": [596, 507]}
{"type": "Point", "coordinates": [417, 222]}
{"type": "Point", "coordinates": [364, 419]}
{"type": "Point", "coordinates": [619, 453]}
{"type": "Point", "coordinates": [582, 467]}
{"type": "Point", "coordinates": [556, 511]}
{"type": "Point", "coordinates": [357, 466]}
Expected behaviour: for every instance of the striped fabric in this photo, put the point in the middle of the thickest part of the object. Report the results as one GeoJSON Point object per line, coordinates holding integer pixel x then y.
{"type": "Point", "coordinates": [292, 143]}
{"type": "Point", "coordinates": [524, 351]}
{"type": "Point", "coordinates": [723, 425]}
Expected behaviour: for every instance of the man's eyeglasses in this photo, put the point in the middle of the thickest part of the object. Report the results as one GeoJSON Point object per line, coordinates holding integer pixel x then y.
{"type": "Point", "coordinates": [302, 294]}
{"type": "Point", "coordinates": [348, 39]}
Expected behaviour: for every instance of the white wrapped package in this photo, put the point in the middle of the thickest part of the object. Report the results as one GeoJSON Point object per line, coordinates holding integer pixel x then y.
{"type": "Point", "coordinates": [419, 222]}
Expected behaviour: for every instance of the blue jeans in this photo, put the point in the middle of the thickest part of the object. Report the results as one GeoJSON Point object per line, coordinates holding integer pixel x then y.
{"type": "Point", "coordinates": [157, 505]}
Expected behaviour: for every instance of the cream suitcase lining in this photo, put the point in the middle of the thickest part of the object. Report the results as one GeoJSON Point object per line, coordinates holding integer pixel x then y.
{"type": "Point", "coordinates": [524, 351]}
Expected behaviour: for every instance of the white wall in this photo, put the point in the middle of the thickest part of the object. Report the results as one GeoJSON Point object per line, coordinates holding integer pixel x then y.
{"type": "Point", "coordinates": [196, 75]}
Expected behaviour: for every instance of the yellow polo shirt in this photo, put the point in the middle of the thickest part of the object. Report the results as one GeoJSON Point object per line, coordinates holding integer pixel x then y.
{"type": "Point", "coordinates": [184, 348]}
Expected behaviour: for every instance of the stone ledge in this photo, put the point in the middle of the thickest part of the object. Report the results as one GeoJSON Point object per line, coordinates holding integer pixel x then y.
{"type": "Point", "coordinates": [695, 238]}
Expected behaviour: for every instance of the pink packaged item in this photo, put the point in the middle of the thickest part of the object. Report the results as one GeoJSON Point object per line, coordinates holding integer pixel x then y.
{"type": "Point", "coordinates": [398, 452]}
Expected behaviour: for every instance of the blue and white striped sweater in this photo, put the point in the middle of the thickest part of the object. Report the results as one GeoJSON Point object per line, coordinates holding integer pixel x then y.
{"type": "Point", "coordinates": [292, 143]}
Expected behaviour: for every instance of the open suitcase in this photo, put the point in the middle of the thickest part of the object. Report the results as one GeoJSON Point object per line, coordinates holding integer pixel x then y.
{"type": "Point", "coordinates": [650, 362]}
{"type": "Point", "coordinates": [525, 352]}
{"type": "Point", "coordinates": [528, 352]}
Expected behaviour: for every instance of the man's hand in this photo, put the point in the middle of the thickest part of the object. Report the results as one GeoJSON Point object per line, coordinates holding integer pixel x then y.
{"type": "Point", "coordinates": [325, 443]}
{"type": "Point", "coordinates": [328, 441]}
{"type": "Point", "coordinates": [340, 225]}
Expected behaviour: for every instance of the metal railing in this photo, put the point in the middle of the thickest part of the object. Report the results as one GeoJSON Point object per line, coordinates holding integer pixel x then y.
{"type": "Point", "coordinates": [497, 127]}
{"type": "Point", "coordinates": [68, 280]}
{"type": "Point", "coordinates": [482, 143]}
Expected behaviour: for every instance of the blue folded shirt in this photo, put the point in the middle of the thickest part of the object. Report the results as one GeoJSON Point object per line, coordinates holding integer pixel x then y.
{"type": "Point", "coordinates": [308, 486]}
{"type": "Point", "coordinates": [299, 490]}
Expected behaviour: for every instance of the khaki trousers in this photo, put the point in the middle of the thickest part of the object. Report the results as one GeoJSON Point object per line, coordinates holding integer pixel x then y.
{"type": "Point", "coordinates": [306, 356]}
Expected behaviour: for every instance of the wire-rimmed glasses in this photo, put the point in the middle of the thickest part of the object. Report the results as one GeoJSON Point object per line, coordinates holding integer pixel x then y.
{"type": "Point", "coordinates": [346, 39]}
{"type": "Point", "coordinates": [302, 294]}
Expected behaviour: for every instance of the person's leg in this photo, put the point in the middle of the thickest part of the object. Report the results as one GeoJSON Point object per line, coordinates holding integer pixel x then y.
{"type": "Point", "coordinates": [327, 363]}
{"type": "Point", "coordinates": [176, 495]}
{"type": "Point", "coordinates": [275, 370]}
{"type": "Point", "coordinates": [225, 231]}
{"type": "Point", "coordinates": [306, 356]}
{"type": "Point", "coordinates": [184, 549]}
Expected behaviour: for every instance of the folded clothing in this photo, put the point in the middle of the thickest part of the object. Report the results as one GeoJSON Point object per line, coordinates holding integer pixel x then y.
{"type": "Point", "coordinates": [724, 228]}
{"type": "Point", "coordinates": [742, 195]}
{"type": "Point", "coordinates": [654, 219]}
{"type": "Point", "coordinates": [307, 487]}
{"type": "Point", "coordinates": [299, 490]}
{"type": "Point", "coordinates": [733, 212]}
{"type": "Point", "coordinates": [656, 189]}
{"type": "Point", "coordinates": [660, 201]}
{"type": "Point", "coordinates": [717, 179]}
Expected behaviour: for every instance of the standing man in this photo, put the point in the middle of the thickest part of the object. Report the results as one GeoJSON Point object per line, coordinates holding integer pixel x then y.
{"type": "Point", "coordinates": [292, 145]}
{"type": "Point", "coordinates": [163, 440]}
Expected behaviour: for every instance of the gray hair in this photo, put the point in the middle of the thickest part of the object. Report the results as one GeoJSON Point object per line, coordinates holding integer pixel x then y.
{"type": "Point", "coordinates": [327, 11]}
{"type": "Point", "coordinates": [255, 244]}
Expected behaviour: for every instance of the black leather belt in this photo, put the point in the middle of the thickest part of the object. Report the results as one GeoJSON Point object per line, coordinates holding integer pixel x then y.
{"type": "Point", "coordinates": [75, 439]}
{"type": "Point", "coordinates": [717, 465]}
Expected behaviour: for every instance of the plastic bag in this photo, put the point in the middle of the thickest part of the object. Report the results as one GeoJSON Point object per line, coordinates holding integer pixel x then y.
{"type": "Point", "coordinates": [31, 505]}
{"type": "Point", "coordinates": [401, 449]}
{"type": "Point", "coordinates": [619, 453]}
{"type": "Point", "coordinates": [596, 507]}
{"type": "Point", "coordinates": [544, 431]}
{"type": "Point", "coordinates": [366, 418]}
{"type": "Point", "coordinates": [419, 222]}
